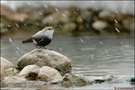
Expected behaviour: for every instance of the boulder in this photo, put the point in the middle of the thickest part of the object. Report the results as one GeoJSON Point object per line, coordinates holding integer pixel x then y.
{"type": "Point", "coordinates": [105, 13]}
{"type": "Point", "coordinates": [45, 57]}
{"type": "Point", "coordinates": [99, 25]}
{"type": "Point", "coordinates": [74, 80]}
{"type": "Point", "coordinates": [11, 72]}
{"type": "Point", "coordinates": [47, 73]}
{"type": "Point", "coordinates": [13, 80]}
{"type": "Point", "coordinates": [101, 79]}
{"type": "Point", "coordinates": [11, 15]}
{"type": "Point", "coordinates": [30, 72]}
{"type": "Point", "coordinates": [5, 64]}
{"type": "Point", "coordinates": [57, 18]}
{"type": "Point", "coordinates": [68, 27]}
{"type": "Point", "coordinates": [128, 23]}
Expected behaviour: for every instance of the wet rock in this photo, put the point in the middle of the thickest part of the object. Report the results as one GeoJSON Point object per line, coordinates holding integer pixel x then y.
{"type": "Point", "coordinates": [73, 80]}
{"type": "Point", "coordinates": [13, 80]}
{"type": "Point", "coordinates": [103, 79]}
{"type": "Point", "coordinates": [68, 27]}
{"type": "Point", "coordinates": [55, 81]}
{"type": "Point", "coordinates": [30, 72]}
{"type": "Point", "coordinates": [57, 18]}
{"type": "Point", "coordinates": [99, 25]}
{"type": "Point", "coordinates": [31, 12]}
{"type": "Point", "coordinates": [5, 64]}
{"type": "Point", "coordinates": [11, 72]}
{"type": "Point", "coordinates": [47, 73]}
{"type": "Point", "coordinates": [128, 23]}
{"type": "Point", "coordinates": [105, 13]}
{"type": "Point", "coordinates": [45, 57]}
{"type": "Point", "coordinates": [11, 15]}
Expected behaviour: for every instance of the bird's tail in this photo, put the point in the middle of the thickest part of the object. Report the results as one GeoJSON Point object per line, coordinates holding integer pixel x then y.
{"type": "Point", "coordinates": [27, 40]}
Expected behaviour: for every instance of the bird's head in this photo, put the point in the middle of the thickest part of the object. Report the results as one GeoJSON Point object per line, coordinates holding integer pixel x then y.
{"type": "Point", "coordinates": [47, 28]}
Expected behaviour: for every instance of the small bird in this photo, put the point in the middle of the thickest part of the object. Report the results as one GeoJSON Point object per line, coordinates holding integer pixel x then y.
{"type": "Point", "coordinates": [41, 38]}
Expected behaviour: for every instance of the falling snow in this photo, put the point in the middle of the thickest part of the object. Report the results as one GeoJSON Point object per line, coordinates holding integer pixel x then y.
{"type": "Point", "coordinates": [61, 26]}
{"type": "Point", "coordinates": [60, 49]}
{"type": "Point", "coordinates": [51, 18]}
{"type": "Point", "coordinates": [57, 9]}
{"type": "Point", "coordinates": [40, 13]}
{"type": "Point", "coordinates": [106, 51]}
{"type": "Point", "coordinates": [117, 30]}
{"type": "Point", "coordinates": [116, 11]}
{"type": "Point", "coordinates": [6, 29]}
{"type": "Point", "coordinates": [45, 6]}
{"type": "Point", "coordinates": [81, 40]}
{"type": "Point", "coordinates": [25, 24]}
{"type": "Point", "coordinates": [9, 25]}
{"type": "Point", "coordinates": [10, 40]}
{"type": "Point", "coordinates": [29, 3]}
{"type": "Point", "coordinates": [18, 48]}
{"type": "Point", "coordinates": [115, 21]}
{"type": "Point", "coordinates": [123, 11]}
{"type": "Point", "coordinates": [101, 42]}
{"type": "Point", "coordinates": [63, 15]}
{"type": "Point", "coordinates": [17, 25]}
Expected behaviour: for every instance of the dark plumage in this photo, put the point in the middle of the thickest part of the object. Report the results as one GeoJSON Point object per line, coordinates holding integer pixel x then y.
{"type": "Point", "coordinates": [41, 38]}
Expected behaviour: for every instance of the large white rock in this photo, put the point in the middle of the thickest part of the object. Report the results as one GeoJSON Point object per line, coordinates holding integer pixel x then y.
{"type": "Point", "coordinates": [5, 64]}
{"type": "Point", "coordinates": [47, 73]}
{"type": "Point", "coordinates": [99, 25]}
{"type": "Point", "coordinates": [14, 80]}
{"type": "Point", "coordinates": [30, 72]}
{"type": "Point", "coordinates": [45, 57]}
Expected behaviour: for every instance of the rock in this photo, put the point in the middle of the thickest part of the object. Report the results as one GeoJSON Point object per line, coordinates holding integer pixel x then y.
{"type": "Point", "coordinates": [31, 12]}
{"type": "Point", "coordinates": [45, 57]}
{"type": "Point", "coordinates": [30, 72]}
{"type": "Point", "coordinates": [68, 27]}
{"type": "Point", "coordinates": [5, 64]}
{"type": "Point", "coordinates": [11, 72]}
{"type": "Point", "coordinates": [55, 81]}
{"type": "Point", "coordinates": [99, 25]}
{"type": "Point", "coordinates": [73, 80]}
{"type": "Point", "coordinates": [103, 78]}
{"type": "Point", "coordinates": [57, 18]}
{"type": "Point", "coordinates": [128, 23]}
{"type": "Point", "coordinates": [14, 80]}
{"type": "Point", "coordinates": [11, 15]}
{"type": "Point", "coordinates": [47, 73]}
{"type": "Point", "coordinates": [105, 13]}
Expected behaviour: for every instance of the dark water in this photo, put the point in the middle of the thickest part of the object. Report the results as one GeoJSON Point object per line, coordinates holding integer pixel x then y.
{"type": "Point", "coordinates": [90, 55]}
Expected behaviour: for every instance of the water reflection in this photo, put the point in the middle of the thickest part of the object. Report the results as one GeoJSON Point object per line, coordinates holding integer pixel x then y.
{"type": "Point", "coordinates": [90, 55]}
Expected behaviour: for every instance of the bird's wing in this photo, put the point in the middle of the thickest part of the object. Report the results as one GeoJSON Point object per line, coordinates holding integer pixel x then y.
{"type": "Point", "coordinates": [39, 34]}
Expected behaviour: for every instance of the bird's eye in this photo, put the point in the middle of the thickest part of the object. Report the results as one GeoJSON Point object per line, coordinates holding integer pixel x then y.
{"type": "Point", "coordinates": [49, 28]}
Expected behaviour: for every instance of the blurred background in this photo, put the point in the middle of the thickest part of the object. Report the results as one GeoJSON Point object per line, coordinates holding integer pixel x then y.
{"type": "Point", "coordinates": [95, 17]}
{"type": "Point", "coordinates": [98, 36]}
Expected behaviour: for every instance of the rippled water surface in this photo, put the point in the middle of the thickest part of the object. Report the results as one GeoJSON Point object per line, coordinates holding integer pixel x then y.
{"type": "Point", "coordinates": [90, 55]}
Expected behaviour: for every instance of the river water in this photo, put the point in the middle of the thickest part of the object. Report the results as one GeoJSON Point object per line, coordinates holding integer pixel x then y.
{"type": "Point", "coordinates": [90, 55]}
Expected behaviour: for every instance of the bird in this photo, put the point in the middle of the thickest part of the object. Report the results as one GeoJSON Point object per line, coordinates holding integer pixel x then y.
{"type": "Point", "coordinates": [42, 38]}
